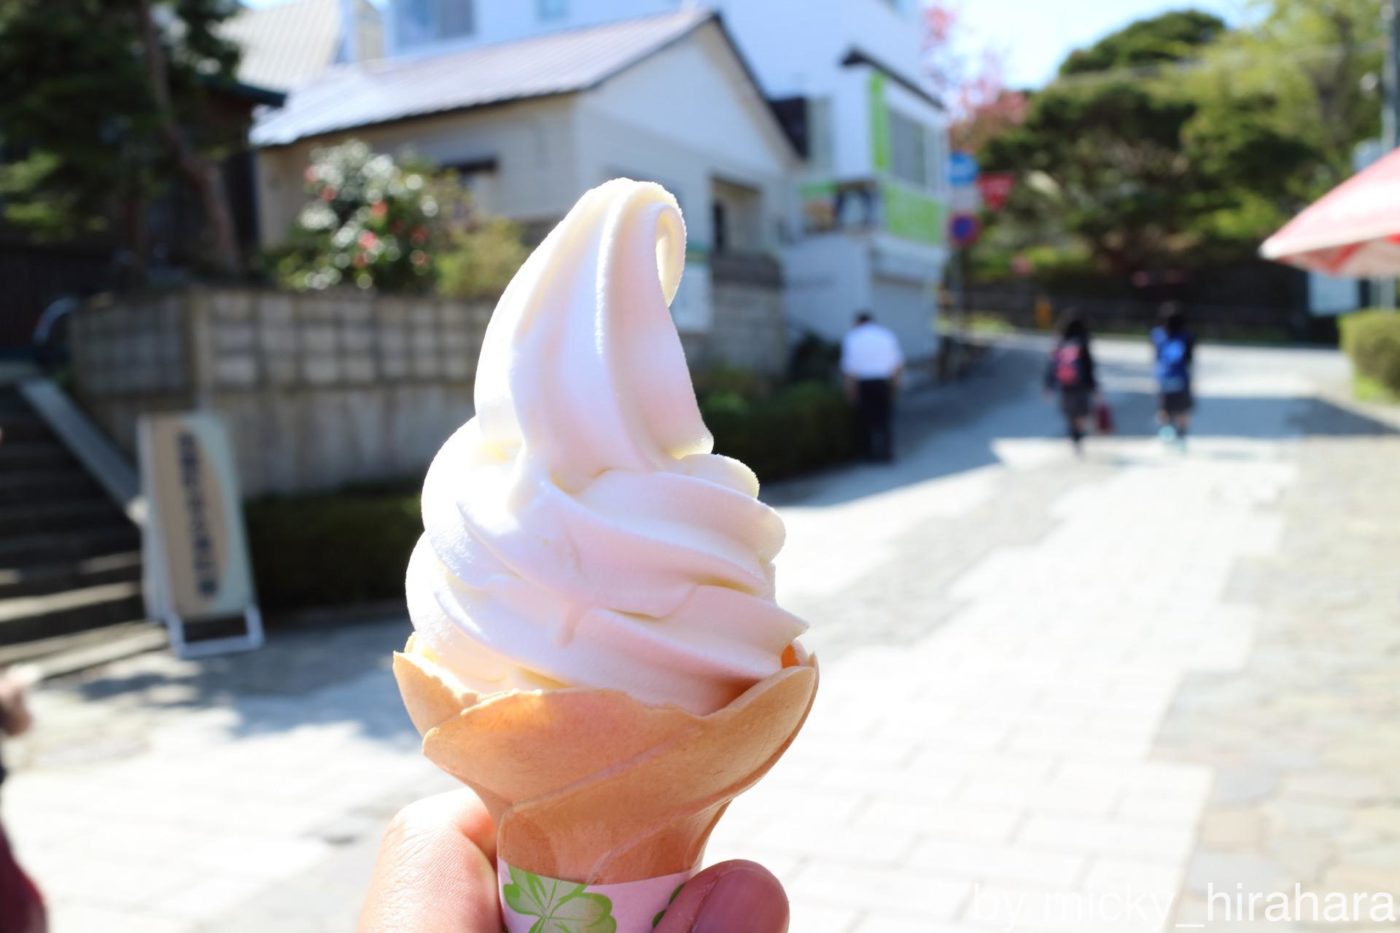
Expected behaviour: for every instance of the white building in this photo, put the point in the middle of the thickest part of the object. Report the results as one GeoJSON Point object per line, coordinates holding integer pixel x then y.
{"type": "Point", "coordinates": [858, 217]}
{"type": "Point", "coordinates": [533, 123]}
{"type": "Point", "coordinates": [846, 78]}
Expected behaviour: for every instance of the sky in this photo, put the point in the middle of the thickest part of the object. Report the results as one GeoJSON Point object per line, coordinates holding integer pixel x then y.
{"type": "Point", "coordinates": [1036, 35]}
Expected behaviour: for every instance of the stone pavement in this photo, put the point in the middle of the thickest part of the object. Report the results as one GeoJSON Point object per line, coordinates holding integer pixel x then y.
{"type": "Point", "coordinates": [1057, 694]}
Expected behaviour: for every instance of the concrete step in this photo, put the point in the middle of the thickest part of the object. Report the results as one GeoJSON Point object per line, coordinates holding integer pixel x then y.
{"type": "Point", "coordinates": [68, 654]}
{"type": "Point", "coordinates": [27, 485]}
{"type": "Point", "coordinates": [51, 547]}
{"type": "Point", "coordinates": [11, 401]}
{"type": "Point", "coordinates": [39, 579]}
{"type": "Point", "coordinates": [28, 618]}
{"type": "Point", "coordinates": [33, 455]}
{"type": "Point", "coordinates": [23, 427]}
{"type": "Point", "coordinates": [95, 511]}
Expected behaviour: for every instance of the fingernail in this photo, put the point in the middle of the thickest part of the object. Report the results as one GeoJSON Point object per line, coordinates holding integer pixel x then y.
{"type": "Point", "coordinates": [743, 901]}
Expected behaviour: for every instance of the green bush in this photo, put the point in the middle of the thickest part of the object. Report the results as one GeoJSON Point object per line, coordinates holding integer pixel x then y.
{"type": "Point", "coordinates": [1372, 340]}
{"type": "Point", "coordinates": [331, 550]}
{"type": "Point", "coordinates": [479, 261]}
{"type": "Point", "coordinates": [801, 427]}
{"type": "Point", "coordinates": [369, 220]}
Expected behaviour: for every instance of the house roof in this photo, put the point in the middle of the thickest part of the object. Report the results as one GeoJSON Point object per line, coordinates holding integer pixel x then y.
{"type": "Point", "coordinates": [285, 45]}
{"type": "Point", "coordinates": [389, 90]}
{"type": "Point", "coordinates": [858, 56]}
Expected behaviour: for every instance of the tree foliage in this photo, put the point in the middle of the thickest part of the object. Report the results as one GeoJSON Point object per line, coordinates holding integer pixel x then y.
{"type": "Point", "coordinates": [1159, 40]}
{"type": "Point", "coordinates": [86, 141]}
{"type": "Point", "coordinates": [972, 87]}
{"type": "Point", "coordinates": [1174, 141]}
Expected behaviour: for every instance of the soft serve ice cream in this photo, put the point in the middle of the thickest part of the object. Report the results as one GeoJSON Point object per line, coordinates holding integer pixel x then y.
{"type": "Point", "coordinates": [578, 530]}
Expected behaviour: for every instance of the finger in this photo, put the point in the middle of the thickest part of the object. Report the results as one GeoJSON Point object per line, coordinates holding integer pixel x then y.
{"type": "Point", "coordinates": [435, 872]}
{"type": "Point", "coordinates": [731, 897]}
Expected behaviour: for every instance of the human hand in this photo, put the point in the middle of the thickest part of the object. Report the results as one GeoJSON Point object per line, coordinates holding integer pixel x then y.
{"type": "Point", "coordinates": [436, 873]}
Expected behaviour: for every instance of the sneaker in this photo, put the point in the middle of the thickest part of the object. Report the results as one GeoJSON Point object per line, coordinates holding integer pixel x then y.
{"type": "Point", "coordinates": [1167, 434]}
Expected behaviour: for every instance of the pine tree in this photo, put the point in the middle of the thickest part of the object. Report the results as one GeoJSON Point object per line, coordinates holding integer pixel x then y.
{"type": "Point", "coordinates": [103, 104]}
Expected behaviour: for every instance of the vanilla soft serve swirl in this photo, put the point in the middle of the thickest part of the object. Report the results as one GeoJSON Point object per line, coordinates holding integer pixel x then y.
{"type": "Point", "coordinates": [579, 533]}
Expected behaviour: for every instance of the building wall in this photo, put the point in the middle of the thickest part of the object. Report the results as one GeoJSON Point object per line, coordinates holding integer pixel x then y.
{"type": "Point", "coordinates": [684, 117]}
{"type": "Point", "coordinates": [796, 46]}
{"type": "Point", "coordinates": [832, 276]}
{"type": "Point", "coordinates": [828, 281]}
{"type": "Point", "coordinates": [533, 142]}
{"type": "Point", "coordinates": [687, 118]}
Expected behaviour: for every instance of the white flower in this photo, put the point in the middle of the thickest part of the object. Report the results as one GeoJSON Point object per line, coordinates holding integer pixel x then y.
{"type": "Point", "coordinates": [317, 216]}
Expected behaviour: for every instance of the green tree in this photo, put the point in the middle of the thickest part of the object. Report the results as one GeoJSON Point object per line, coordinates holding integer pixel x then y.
{"type": "Point", "coordinates": [1174, 141]}
{"type": "Point", "coordinates": [102, 101]}
{"type": "Point", "coordinates": [1159, 40]}
{"type": "Point", "coordinates": [1101, 149]}
{"type": "Point", "coordinates": [1308, 70]}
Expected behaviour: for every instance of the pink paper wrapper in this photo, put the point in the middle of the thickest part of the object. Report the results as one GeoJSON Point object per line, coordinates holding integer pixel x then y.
{"type": "Point", "coordinates": [534, 902]}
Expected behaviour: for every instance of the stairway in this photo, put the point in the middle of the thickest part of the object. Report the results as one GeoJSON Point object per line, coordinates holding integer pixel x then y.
{"type": "Point", "coordinates": [70, 559]}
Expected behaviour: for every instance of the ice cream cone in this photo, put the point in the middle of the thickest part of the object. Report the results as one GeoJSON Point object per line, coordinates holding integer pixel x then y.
{"type": "Point", "coordinates": [592, 786]}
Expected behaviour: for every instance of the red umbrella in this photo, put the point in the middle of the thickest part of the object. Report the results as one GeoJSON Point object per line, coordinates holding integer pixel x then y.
{"type": "Point", "coordinates": [1354, 229]}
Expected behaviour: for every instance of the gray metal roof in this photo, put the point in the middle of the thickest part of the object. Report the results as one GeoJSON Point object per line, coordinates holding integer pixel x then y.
{"type": "Point", "coordinates": [395, 89]}
{"type": "Point", "coordinates": [286, 45]}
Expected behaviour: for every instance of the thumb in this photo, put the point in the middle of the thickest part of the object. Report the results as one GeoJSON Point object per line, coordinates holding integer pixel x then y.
{"type": "Point", "coordinates": [731, 897]}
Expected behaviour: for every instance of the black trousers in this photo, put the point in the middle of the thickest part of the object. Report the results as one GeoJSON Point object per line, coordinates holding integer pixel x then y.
{"type": "Point", "coordinates": [874, 404]}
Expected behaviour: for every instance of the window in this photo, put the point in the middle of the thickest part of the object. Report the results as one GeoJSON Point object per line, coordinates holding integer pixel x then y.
{"type": "Point", "coordinates": [424, 21]}
{"type": "Point", "coordinates": [552, 9]}
{"type": "Point", "coordinates": [908, 150]}
{"type": "Point", "coordinates": [820, 138]}
{"type": "Point", "coordinates": [456, 18]}
{"type": "Point", "coordinates": [736, 216]}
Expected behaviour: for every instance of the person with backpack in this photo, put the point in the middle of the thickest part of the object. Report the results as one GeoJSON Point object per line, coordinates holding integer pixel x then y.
{"type": "Point", "coordinates": [1070, 375]}
{"type": "Point", "coordinates": [1174, 347]}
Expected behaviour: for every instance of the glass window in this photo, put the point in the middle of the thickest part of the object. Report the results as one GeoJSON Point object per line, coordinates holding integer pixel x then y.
{"type": "Point", "coordinates": [416, 24]}
{"type": "Point", "coordinates": [908, 150]}
{"type": "Point", "coordinates": [552, 9]}
{"type": "Point", "coordinates": [456, 18]}
{"type": "Point", "coordinates": [424, 21]}
{"type": "Point", "coordinates": [819, 134]}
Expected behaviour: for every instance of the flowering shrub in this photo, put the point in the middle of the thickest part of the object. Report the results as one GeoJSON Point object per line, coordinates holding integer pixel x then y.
{"type": "Point", "coordinates": [369, 221]}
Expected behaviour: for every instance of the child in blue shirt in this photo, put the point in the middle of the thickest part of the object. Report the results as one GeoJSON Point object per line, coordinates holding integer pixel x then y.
{"type": "Point", "coordinates": [1174, 347]}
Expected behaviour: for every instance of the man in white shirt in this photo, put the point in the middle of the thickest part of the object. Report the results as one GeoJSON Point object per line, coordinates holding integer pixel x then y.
{"type": "Point", "coordinates": [872, 363]}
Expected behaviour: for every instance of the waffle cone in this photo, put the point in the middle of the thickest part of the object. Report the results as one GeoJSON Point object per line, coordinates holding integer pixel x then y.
{"type": "Point", "coordinates": [592, 786]}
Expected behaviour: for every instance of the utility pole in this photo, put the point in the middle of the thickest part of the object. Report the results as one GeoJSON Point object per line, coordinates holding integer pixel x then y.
{"type": "Point", "coordinates": [1384, 289]}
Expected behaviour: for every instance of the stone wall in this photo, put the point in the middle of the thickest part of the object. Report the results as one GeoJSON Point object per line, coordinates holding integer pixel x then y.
{"type": "Point", "coordinates": [748, 322]}
{"type": "Point", "coordinates": [323, 390]}
{"type": "Point", "coordinates": [319, 390]}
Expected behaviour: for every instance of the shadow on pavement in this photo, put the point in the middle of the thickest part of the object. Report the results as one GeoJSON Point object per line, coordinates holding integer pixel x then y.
{"type": "Point", "coordinates": [951, 429]}
{"type": "Point", "coordinates": [302, 676]}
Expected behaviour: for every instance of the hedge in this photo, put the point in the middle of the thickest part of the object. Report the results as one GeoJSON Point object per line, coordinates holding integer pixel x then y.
{"type": "Point", "coordinates": [352, 547]}
{"type": "Point", "coordinates": [801, 427]}
{"type": "Point", "coordinates": [331, 550]}
{"type": "Point", "coordinates": [1372, 340]}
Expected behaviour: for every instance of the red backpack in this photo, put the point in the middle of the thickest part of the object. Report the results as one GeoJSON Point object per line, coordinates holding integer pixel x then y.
{"type": "Point", "coordinates": [1067, 365]}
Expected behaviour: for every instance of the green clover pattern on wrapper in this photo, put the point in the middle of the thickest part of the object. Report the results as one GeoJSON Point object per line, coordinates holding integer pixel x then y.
{"type": "Point", "coordinates": [562, 906]}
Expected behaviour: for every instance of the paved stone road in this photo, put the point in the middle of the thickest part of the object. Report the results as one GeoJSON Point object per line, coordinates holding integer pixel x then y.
{"type": "Point", "coordinates": [1058, 694]}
